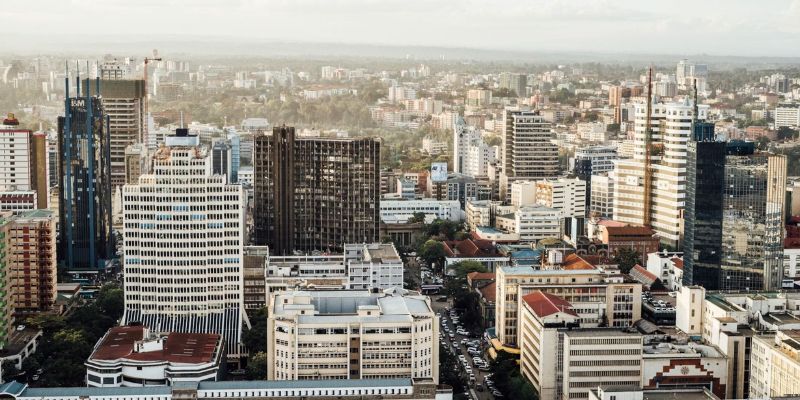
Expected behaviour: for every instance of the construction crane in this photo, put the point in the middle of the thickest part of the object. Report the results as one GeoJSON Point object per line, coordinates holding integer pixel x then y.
{"type": "Point", "coordinates": [145, 132]}
{"type": "Point", "coordinates": [648, 162]}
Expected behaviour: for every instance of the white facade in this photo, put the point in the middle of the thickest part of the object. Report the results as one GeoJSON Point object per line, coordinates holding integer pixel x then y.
{"type": "Point", "coordinates": [668, 267]}
{"type": "Point", "coordinates": [183, 244]}
{"type": "Point", "coordinates": [15, 159]}
{"type": "Point", "coordinates": [537, 222]}
{"type": "Point", "coordinates": [602, 195]}
{"type": "Point", "coordinates": [361, 266]}
{"type": "Point", "coordinates": [399, 211]}
{"type": "Point", "coordinates": [523, 193]}
{"type": "Point", "coordinates": [775, 365]}
{"type": "Point", "coordinates": [602, 157]}
{"type": "Point", "coordinates": [352, 335]}
{"type": "Point", "coordinates": [671, 125]}
{"type": "Point", "coordinates": [246, 176]}
{"type": "Point", "coordinates": [592, 131]}
{"type": "Point", "coordinates": [564, 194]}
{"type": "Point", "coordinates": [433, 147]}
{"type": "Point", "coordinates": [787, 114]}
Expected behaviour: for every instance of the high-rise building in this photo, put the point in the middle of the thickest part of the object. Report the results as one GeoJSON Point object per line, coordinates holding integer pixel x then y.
{"type": "Point", "coordinates": [527, 150]}
{"type": "Point", "coordinates": [84, 201]}
{"type": "Point", "coordinates": [671, 127]}
{"type": "Point", "coordinates": [601, 199]}
{"type": "Point", "coordinates": [516, 82]}
{"type": "Point", "coordinates": [236, 156]}
{"type": "Point", "coordinates": [123, 103]}
{"type": "Point", "coordinates": [688, 72]}
{"type": "Point", "coordinates": [221, 159]}
{"type": "Point", "coordinates": [471, 155]}
{"type": "Point", "coordinates": [31, 261]}
{"type": "Point", "coordinates": [6, 300]}
{"type": "Point", "coordinates": [315, 193]}
{"type": "Point", "coordinates": [734, 222]}
{"type": "Point", "coordinates": [184, 238]}
{"type": "Point", "coordinates": [567, 195]}
{"type": "Point", "coordinates": [705, 178]}
{"type": "Point", "coordinates": [352, 335]}
{"type": "Point", "coordinates": [135, 155]}
{"type": "Point", "coordinates": [787, 115]}
{"type": "Point", "coordinates": [24, 167]}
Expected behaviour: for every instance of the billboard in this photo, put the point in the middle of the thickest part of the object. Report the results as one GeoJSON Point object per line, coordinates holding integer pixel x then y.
{"type": "Point", "coordinates": [439, 172]}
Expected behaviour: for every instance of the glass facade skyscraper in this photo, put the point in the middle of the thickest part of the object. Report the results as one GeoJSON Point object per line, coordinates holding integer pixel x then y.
{"type": "Point", "coordinates": [734, 217]}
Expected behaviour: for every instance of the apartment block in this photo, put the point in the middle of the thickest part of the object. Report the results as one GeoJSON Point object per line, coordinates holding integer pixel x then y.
{"type": "Point", "coordinates": [324, 335]}
{"type": "Point", "coordinates": [775, 365]}
{"type": "Point", "coordinates": [567, 195]}
{"type": "Point", "coordinates": [31, 261]}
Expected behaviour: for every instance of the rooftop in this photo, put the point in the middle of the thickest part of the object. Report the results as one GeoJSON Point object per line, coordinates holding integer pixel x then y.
{"type": "Point", "coordinates": [489, 292]}
{"type": "Point", "coordinates": [544, 304]}
{"type": "Point", "coordinates": [121, 343]}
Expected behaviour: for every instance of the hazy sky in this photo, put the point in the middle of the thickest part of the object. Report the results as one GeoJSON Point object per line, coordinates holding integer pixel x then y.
{"type": "Point", "coordinates": [717, 27]}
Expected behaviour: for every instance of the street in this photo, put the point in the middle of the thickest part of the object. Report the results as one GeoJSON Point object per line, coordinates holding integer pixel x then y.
{"type": "Point", "coordinates": [440, 308]}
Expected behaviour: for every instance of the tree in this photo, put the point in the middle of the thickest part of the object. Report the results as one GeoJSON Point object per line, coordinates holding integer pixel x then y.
{"type": "Point", "coordinates": [509, 380]}
{"type": "Point", "coordinates": [786, 133]}
{"type": "Point", "coordinates": [257, 366]}
{"type": "Point", "coordinates": [432, 252]}
{"type": "Point", "coordinates": [416, 218]}
{"type": "Point", "coordinates": [255, 338]}
{"type": "Point", "coordinates": [626, 258]}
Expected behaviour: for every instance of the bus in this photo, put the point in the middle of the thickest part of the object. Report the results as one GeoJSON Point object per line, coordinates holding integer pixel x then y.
{"type": "Point", "coordinates": [431, 289]}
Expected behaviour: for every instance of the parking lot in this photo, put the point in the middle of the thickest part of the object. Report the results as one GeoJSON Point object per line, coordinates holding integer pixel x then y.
{"type": "Point", "coordinates": [452, 340]}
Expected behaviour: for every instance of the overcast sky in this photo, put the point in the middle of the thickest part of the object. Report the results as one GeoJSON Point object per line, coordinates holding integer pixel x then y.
{"type": "Point", "coordinates": [716, 27]}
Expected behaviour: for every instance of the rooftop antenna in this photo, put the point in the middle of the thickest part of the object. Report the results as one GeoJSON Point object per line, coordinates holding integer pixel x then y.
{"type": "Point", "coordinates": [181, 119]}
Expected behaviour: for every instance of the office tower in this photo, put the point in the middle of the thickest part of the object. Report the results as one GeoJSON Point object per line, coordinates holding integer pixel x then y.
{"type": "Point", "coordinates": [236, 156]}
{"type": "Point", "coordinates": [135, 156]}
{"type": "Point", "coordinates": [735, 222]}
{"type": "Point", "coordinates": [315, 193]}
{"type": "Point", "coordinates": [114, 69]}
{"type": "Point", "coordinates": [688, 72]}
{"type": "Point", "coordinates": [184, 237]}
{"type": "Point", "coordinates": [84, 201]}
{"type": "Point", "coordinates": [671, 127]}
{"type": "Point", "coordinates": [787, 115]}
{"type": "Point", "coordinates": [352, 335]}
{"type": "Point", "coordinates": [471, 155]}
{"type": "Point", "coordinates": [221, 159]}
{"type": "Point", "coordinates": [123, 103]}
{"type": "Point", "coordinates": [601, 199]}
{"type": "Point", "coordinates": [705, 178]}
{"type": "Point", "coordinates": [52, 159]}
{"type": "Point", "coordinates": [30, 261]}
{"type": "Point", "coordinates": [527, 150]}
{"type": "Point", "coordinates": [23, 169]}
{"type": "Point", "coordinates": [517, 83]}
{"type": "Point", "coordinates": [565, 194]}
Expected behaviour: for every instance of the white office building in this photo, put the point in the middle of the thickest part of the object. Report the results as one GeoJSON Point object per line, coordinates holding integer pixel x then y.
{"type": "Point", "coordinates": [183, 245]}
{"type": "Point", "coordinates": [567, 195]}
{"type": "Point", "coordinates": [787, 115]}
{"type": "Point", "coordinates": [671, 125]}
{"type": "Point", "coordinates": [399, 211]}
{"type": "Point", "coordinates": [602, 195]}
{"type": "Point", "coordinates": [323, 335]}
{"type": "Point", "coordinates": [601, 157]}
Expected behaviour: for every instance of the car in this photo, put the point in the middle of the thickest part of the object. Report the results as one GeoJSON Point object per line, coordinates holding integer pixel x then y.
{"type": "Point", "coordinates": [452, 336]}
{"type": "Point", "coordinates": [35, 377]}
{"type": "Point", "coordinates": [479, 387]}
{"type": "Point", "coordinates": [464, 341]}
{"type": "Point", "coordinates": [462, 333]}
{"type": "Point", "coordinates": [496, 393]}
{"type": "Point", "coordinates": [455, 345]}
{"type": "Point", "coordinates": [21, 327]}
{"type": "Point", "coordinates": [484, 368]}
{"type": "Point", "coordinates": [468, 369]}
{"type": "Point", "coordinates": [462, 357]}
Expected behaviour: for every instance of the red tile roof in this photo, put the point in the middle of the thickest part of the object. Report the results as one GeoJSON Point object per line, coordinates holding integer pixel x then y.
{"type": "Point", "coordinates": [480, 276]}
{"type": "Point", "coordinates": [576, 262]}
{"type": "Point", "coordinates": [644, 272]}
{"type": "Point", "coordinates": [610, 222]}
{"type": "Point", "coordinates": [678, 262]}
{"type": "Point", "coordinates": [469, 248]}
{"type": "Point", "coordinates": [194, 348]}
{"type": "Point", "coordinates": [489, 292]}
{"type": "Point", "coordinates": [544, 304]}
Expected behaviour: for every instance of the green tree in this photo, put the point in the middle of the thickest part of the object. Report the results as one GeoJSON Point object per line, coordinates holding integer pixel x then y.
{"type": "Point", "coordinates": [786, 133]}
{"type": "Point", "coordinates": [626, 258]}
{"type": "Point", "coordinates": [509, 380]}
{"type": "Point", "coordinates": [432, 252]}
{"type": "Point", "coordinates": [257, 366]}
{"type": "Point", "coordinates": [255, 338]}
{"type": "Point", "coordinates": [416, 218]}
